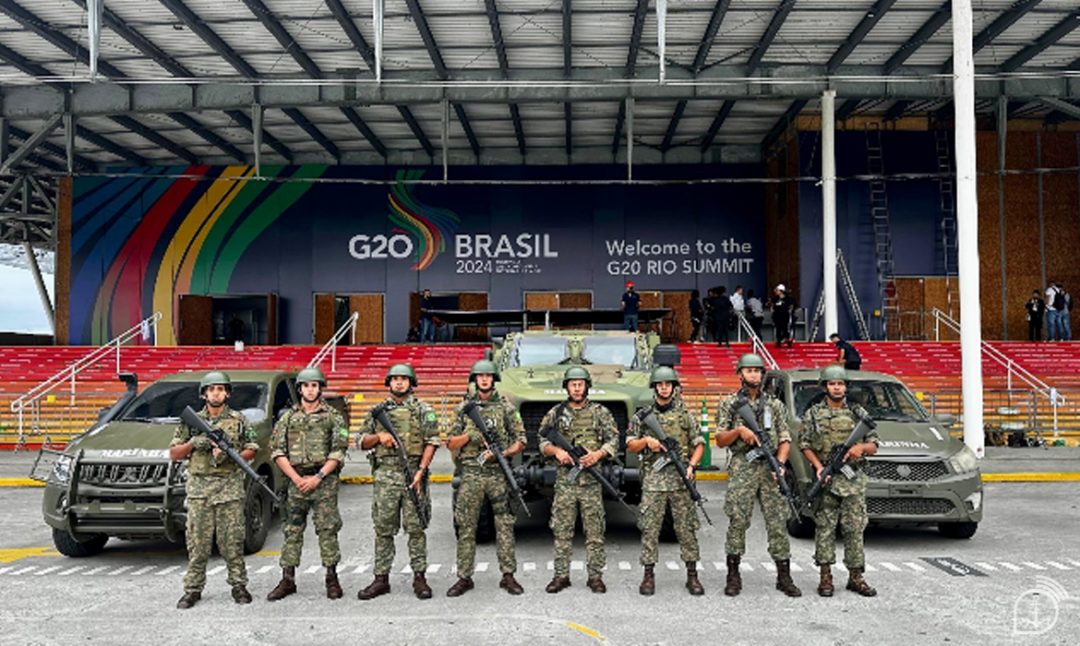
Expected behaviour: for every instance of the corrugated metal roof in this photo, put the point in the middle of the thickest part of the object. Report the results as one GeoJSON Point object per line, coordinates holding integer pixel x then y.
{"type": "Point", "coordinates": [533, 35]}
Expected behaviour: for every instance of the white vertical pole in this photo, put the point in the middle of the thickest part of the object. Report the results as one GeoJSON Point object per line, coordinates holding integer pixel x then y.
{"type": "Point", "coordinates": [661, 35]}
{"type": "Point", "coordinates": [35, 271]}
{"type": "Point", "coordinates": [828, 198]}
{"type": "Point", "coordinates": [630, 139]}
{"type": "Point", "coordinates": [94, 13]}
{"type": "Point", "coordinates": [257, 135]}
{"type": "Point", "coordinates": [967, 222]}
{"type": "Point", "coordinates": [377, 14]}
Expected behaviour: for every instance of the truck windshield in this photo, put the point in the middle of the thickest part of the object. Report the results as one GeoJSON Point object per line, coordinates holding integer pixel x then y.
{"type": "Point", "coordinates": [165, 400]}
{"type": "Point", "coordinates": [540, 351]}
{"type": "Point", "coordinates": [884, 400]}
{"type": "Point", "coordinates": [611, 350]}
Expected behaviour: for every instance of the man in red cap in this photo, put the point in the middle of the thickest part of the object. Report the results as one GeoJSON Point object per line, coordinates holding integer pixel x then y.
{"type": "Point", "coordinates": [631, 301]}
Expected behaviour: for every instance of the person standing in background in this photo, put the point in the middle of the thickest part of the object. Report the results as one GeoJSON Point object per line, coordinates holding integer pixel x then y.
{"type": "Point", "coordinates": [631, 303]}
{"type": "Point", "coordinates": [722, 317]}
{"type": "Point", "coordinates": [1036, 308]}
{"type": "Point", "coordinates": [756, 312]}
{"type": "Point", "coordinates": [697, 315]}
{"type": "Point", "coordinates": [427, 319]}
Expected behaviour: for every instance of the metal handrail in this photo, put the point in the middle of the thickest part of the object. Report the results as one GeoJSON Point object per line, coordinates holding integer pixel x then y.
{"type": "Point", "coordinates": [68, 374]}
{"type": "Point", "coordinates": [1012, 367]}
{"type": "Point", "coordinates": [330, 347]}
{"type": "Point", "coordinates": [756, 344]}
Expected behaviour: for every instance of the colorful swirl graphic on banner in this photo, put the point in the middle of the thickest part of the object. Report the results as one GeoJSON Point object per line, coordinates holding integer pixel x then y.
{"type": "Point", "coordinates": [139, 243]}
{"type": "Point", "coordinates": [429, 226]}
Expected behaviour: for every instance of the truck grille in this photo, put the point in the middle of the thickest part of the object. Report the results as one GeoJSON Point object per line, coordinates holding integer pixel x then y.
{"type": "Point", "coordinates": [123, 475]}
{"type": "Point", "coordinates": [908, 506]}
{"type": "Point", "coordinates": [532, 413]}
{"type": "Point", "coordinates": [905, 471]}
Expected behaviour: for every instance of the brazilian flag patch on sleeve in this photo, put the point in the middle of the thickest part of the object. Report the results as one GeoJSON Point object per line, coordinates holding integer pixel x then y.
{"type": "Point", "coordinates": [431, 416]}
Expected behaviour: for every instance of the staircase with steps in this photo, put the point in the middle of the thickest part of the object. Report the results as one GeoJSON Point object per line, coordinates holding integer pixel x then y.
{"type": "Point", "coordinates": [931, 369]}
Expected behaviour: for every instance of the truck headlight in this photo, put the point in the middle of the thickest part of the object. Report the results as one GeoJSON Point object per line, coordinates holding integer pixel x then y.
{"type": "Point", "coordinates": [61, 471]}
{"type": "Point", "coordinates": [964, 460]}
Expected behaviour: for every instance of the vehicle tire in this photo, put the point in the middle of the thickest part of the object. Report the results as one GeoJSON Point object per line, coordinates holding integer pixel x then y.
{"type": "Point", "coordinates": [81, 547]}
{"type": "Point", "coordinates": [258, 509]}
{"type": "Point", "coordinates": [958, 530]}
{"type": "Point", "coordinates": [801, 527]}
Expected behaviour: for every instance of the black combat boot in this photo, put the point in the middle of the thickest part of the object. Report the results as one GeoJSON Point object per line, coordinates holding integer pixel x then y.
{"type": "Point", "coordinates": [377, 588]}
{"type": "Point", "coordinates": [825, 587]}
{"type": "Point", "coordinates": [784, 583]}
{"type": "Point", "coordinates": [648, 582]}
{"type": "Point", "coordinates": [190, 598]}
{"type": "Point", "coordinates": [857, 584]}
{"type": "Point", "coordinates": [734, 580]}
{"type": "Point", "coordinates": [693, 584]}
{"type": "Point", "coordinates": [286, 586]}
{"type": "Point", "coordinates": [333, 586]}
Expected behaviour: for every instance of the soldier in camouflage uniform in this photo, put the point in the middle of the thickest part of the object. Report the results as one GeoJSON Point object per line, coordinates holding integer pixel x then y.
{"type": "Point", "coordinates": [482, 478]}
{"type": "Point", "coordinates": [842, 502]}
{"type": "Point", "coordinates": [309, 445]}
{"type": "Point", "coordinates": [215, 491]}
{"type": "Point", "coordinates": [749, 481]}
{"type": "Point", "coordinates": [391, 507]}
{"type": "Point", "coordinates": [664, 488]}
{"type": "Point", "coordinates": [589, 425]}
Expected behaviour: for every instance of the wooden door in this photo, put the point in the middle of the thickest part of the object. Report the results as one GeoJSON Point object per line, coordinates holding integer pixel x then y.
{"type": "Point", "coordinates": [196, 322]}
{"type": "Point", "coordinates": [676, 326]}
{"type": "Point", "coordinates": [370, 325]}
{"type": "Point", "coordinates": [472, 302]}
{"type": "Point", "coordinates": [323, 325]}
{"type": "Point", "coordinates": [575, 301]}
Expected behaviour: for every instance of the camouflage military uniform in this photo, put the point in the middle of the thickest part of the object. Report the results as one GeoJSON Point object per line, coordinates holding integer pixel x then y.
{"type": "Point", "coordinates": [592, 427]}
{"type": "Point", "coordinates": [487, 480]}
{"type": "Point", "coordinates": [754, 480]}
{"type": "Point", "coordinates": [415, 423]}
{"type": "Point", "coordinates": [215, 500]}
{"type": "Point", "coordinates": [843, 500]}
{"type": "Point", "coordinates": [665, 488]}
{"type": "Point", "coordinates": [308, 440]}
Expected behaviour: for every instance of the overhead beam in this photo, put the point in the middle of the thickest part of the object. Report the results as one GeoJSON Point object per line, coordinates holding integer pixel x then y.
{"type": "Point", "coordinates": [631, 67]}
{"type": "Point", "coordinates": [110, 146]}
{"type": "Point", "coordinates": [924, 33]}
{"type": "Point", "coordinates": [52, 149]}
{"type": "Point", "coordinates": [1064, 107]}
{"type": "Point", "coordinates": [504, 67]}
{"type": "Point", "coordinates": [1047, 39]}
{"type": "Point", "coordinates": [1007, 19]}
{"type": "Point", "coordinates": [779, 16]}
{"type": "Point", "coordinates": [781, 125]}
{"type": "Point", "coordinates": [27, 102]}
{"type": "Point", "coordinates": [154, 137]}
{"type": "Point", "coordinates": [240, 117]}
{"type": "Point", "coordinates": [719, 10]}
{"type": "Point", "coordinates": [30, 144]}
{"type": "Point", "coordinates": [443, 73]}
{"type": "Point", "coordinates": [208, 135]}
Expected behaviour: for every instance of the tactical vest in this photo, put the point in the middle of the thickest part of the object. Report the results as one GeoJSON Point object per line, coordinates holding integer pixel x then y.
{"type": "Point", "coordinates": [232, 425]}
{"type": "Point", "coordinates": [309, 437]}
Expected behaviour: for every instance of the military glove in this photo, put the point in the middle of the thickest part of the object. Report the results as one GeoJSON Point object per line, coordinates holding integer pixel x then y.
{"type": "Point", "coordinates": [202, 443]}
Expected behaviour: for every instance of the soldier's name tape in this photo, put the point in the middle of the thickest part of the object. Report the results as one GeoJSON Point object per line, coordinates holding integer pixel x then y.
{"type": "Point", "coordinates": [445, 478]}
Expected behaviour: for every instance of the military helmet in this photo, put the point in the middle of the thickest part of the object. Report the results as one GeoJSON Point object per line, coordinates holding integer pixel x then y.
{"type": "Point", "coordinates": [576, 372]}
{"type": "Point", "coordinates": [833, 373]}
{"type": "Point", "coordinates": [401, 370]}
{"type": "Point", "coordinates": [663, 373]}
{"type": "Point", "coordinates": [311, 374]}
{"type": "Point", "coordinates": [750, 360]}
{"type": "Point", "coordinates": [483, 367]}
{"type": "Point", "coordinates": [216, 377]}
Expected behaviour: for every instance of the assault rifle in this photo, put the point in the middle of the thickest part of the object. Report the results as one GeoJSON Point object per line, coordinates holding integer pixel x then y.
{"type": "Point", "coordinates": [673, 456]}
{"type": "Point", "coordinates": [218, 437]}
{"type": "Point", "coordinates": [494, 444]}
{"type": "Point", "coordinates": [765, 450]}
{"type": "Point", "coordinates": [379, 413]}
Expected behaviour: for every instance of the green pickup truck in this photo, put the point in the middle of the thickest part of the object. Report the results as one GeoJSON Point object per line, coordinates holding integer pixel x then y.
{"type": "Point", "coordinates": [116, 479]}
